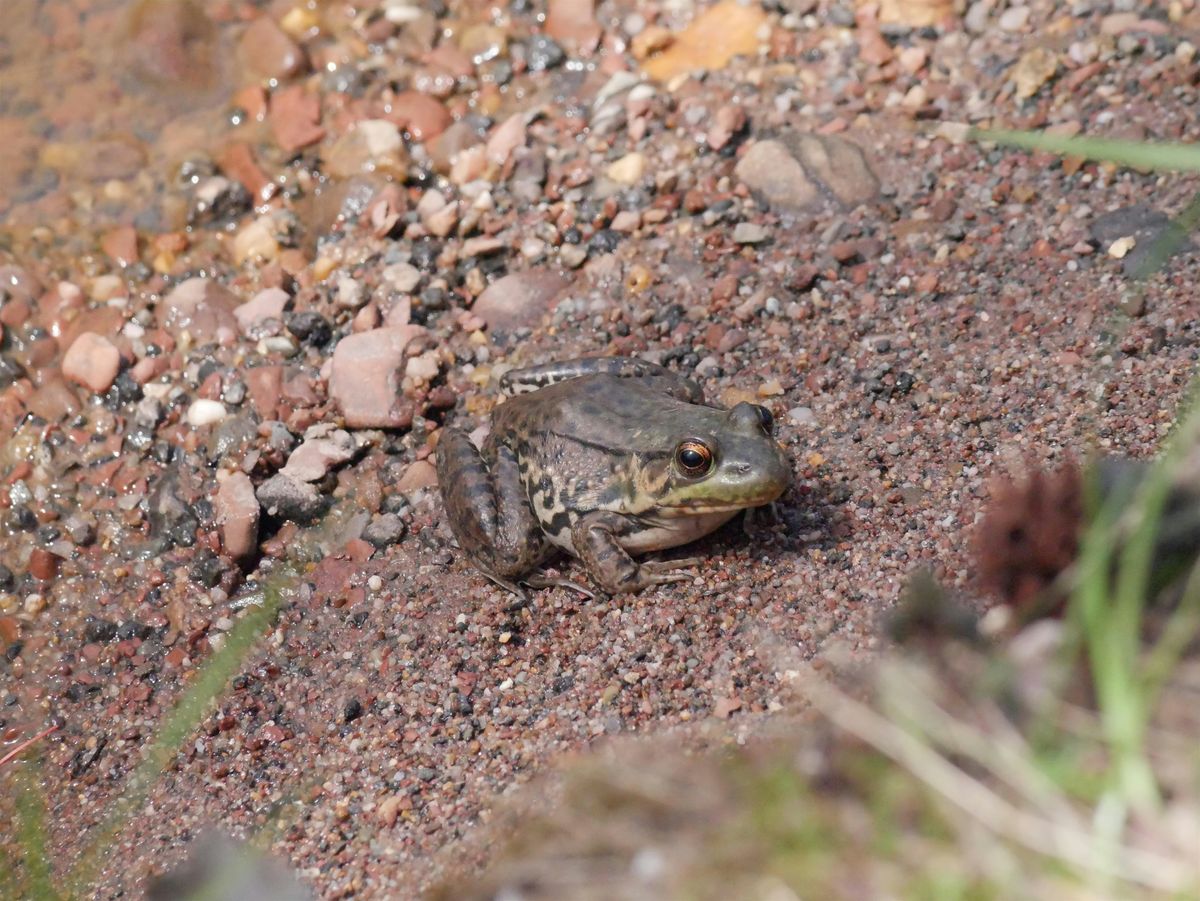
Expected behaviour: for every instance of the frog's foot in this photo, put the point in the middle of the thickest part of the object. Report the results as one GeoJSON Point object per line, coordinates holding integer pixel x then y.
{"type": "Point", "coordinates": [660, 572]}
{"type": "Point", "coordinates": [595, 537]}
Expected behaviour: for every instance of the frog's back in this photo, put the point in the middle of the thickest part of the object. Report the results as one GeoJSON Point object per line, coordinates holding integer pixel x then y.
{"type": "Point", "coordinates": [616, 416]}
{"type": "Point", "coordinates": [579, 443]}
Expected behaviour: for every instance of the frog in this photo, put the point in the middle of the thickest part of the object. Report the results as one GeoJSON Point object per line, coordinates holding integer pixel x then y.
{"type": "Point", "coordinates": [607, 459]}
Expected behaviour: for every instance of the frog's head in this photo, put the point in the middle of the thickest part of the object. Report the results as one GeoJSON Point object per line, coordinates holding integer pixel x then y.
{"type": "Point", "coordinates": [726, 462]}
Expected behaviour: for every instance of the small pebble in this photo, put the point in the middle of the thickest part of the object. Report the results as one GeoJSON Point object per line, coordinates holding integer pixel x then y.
{"type": "Point", "coordinates": [205, 412]}
{"type": "Point", "coordinates": [749, 233]}
{"type": "Point", "coordinates": [628, 170]}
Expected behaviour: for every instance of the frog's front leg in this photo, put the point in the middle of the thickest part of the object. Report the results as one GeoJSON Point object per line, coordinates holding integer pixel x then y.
{"type": "Point", "coordinates": [488, 509]}
{"type": "Point", "coordinates": [531, 378]}
{"type": "Point", "coordinates": [596, 540]}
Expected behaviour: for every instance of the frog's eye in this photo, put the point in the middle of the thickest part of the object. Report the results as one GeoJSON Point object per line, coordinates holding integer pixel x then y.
{"type": "Point", "coordinates": [694, 458]}
{"type": "Point", "coordinates": [765, 419]}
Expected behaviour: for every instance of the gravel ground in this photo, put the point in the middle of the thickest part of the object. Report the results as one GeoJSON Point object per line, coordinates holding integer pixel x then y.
{"type": "Point", "coordinates": [244, 298]}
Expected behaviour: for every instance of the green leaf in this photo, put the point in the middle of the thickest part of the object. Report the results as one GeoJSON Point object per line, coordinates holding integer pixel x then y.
{"type": "Point", "coordinates": [1140, 155]}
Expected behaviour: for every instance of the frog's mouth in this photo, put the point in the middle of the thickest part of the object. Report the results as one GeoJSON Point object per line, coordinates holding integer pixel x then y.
{"type": "Point", "coordinates": [696, 507]}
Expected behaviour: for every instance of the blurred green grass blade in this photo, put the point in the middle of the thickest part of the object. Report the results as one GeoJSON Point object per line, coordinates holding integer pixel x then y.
{"type": "Point", "coordinates": [1138, 154]}
{"type": "Point", "coordinates": [210, 682]}
{"type": "Point", "coordinates": [1125, 712]}
{"type": "Point", "coordinates": [1115, 635]}
{"type": "Point", "coordinates": [1096, 609]}
{"type": "Point", "coordinates": [31, 833]}
{"type": "Point", "coordinates": [1180, 630]}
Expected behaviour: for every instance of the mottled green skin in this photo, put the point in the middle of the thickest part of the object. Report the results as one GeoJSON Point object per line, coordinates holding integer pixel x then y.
{"type": "Point", "coordinates": [583, 456]}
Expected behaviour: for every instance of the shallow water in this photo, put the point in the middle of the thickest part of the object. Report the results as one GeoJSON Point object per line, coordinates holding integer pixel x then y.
{"type": "Point", "coordinates": [99, 101]}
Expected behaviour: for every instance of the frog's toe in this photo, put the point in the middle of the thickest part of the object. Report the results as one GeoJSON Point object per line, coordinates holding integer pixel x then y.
{"type": "Point", "coordinates": [507, 585]}
{"type": "Point", "coordinates": [666, 566]}
{"type": "Point", "coordinates": [543, 581]}
{"type": "Point", "coordinates": [664, 572]}
{"type": "Point", "coordinates": [757, 520]}
{"type": "Point", "coordinates": [666, 578]}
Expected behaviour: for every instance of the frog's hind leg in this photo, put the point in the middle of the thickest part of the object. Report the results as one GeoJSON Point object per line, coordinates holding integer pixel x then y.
{"type": "Point", "coordinates": [595, 537]}
{"type": "Point", "coordinates": [522, 381]}
{"type": "Point", "coordinates": [488, 510]}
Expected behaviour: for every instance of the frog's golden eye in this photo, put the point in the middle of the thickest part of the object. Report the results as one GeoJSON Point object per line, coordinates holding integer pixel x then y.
{"type": "Point", "coordinates": [694, 458]}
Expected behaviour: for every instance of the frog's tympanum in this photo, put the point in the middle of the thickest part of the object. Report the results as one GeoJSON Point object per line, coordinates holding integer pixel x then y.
{"type": "Point", "coordinates": [604, 458]}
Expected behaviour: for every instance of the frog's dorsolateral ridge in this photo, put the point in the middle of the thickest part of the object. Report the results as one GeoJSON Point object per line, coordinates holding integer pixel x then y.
{"type": "Point", "coordinates": [603, 457]}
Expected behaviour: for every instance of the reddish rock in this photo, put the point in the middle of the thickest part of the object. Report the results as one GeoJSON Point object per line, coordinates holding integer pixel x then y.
{"type": "Point", "coordinates": [713, 334]}
{"type": "Point", "coordinates": [385, 210]}
{"type": "Point", "coordinates": [448, 57]}
{"type": "Point", "coordinates": [505, 138]}
{"type": "Point", "coordinates": [368, 318]}
{"type": "Point", "coordinates": [844, 251]}
{"type": "Point", "coordinates": [54, 400]}
{"type": "Point", "coordinates": [519, 299]}
{"type": "Point", "coordinates": [237, 512]}
{"type": "Point", "coordinates": [389, 810]}
{"type": "Point", "coordinates": [103, 320]}
{"type": "Point", "coordinates": [331, 576]}
{"type": "Point", "coordinates": [202, 307]}
{"type": "Point", "coordinates": [422, 116]}
{"type": "Point", "coordinates": [139, 692]}
{"type": "Point", "coordinates": [573, 24]}
{"type": "Point", "coordinates": [266, 51]}
{"type": "Point", "coordinates": [16, 312]}
{"type": "Point", "coordinates": [295, 118]}
{"type": "Point", "coordinates": [238, 162]}
{"type": "Point", "coordinates": [359, 551]}
{"type": "Point", "coordinates": [266, 304]}
{"type": "Point", "coordinates": [252, 100]}
{"type": "Point", "coordinates": [175, 657]}
{"type": "Point", "coordinates": [372, 145]}
{"type": "Point", "coordinates": [43, 565]}
{"type": "Point", "coordinates": [211, 387]}
{"type": "Point", "coordinates": [19, 284]}
{"type": "Point", "coordinates": [421, 474]}
{"type": "Point", "coordinates": [302, 391]}
{"type": "Point", "coordinates": [729, 121]}
{"type": "Point", "coordinates": [450, 144]}
{"type": "Point", "coordinates": [732, 339]}
{"type": "Point", "coordinates": [121, 245]}
{"type": "Point", "coordinates": [149, 368]}
{"type": "Point", "coordinates": [317, 456]}
{"type": "Point", "coordinates": [92, 361]}
{"type": "Point", "coordinates": [365, 378]}
{"type": "Point", "coordinates": [264, 384]}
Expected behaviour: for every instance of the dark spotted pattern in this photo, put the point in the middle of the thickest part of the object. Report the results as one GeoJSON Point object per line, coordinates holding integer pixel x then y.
{"type": "Point", "coordinates": [490, 514]}
{"type": "Point", "coordinates": [532, 378]}
{"type": "Point", "coordinates": [581, 456]}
